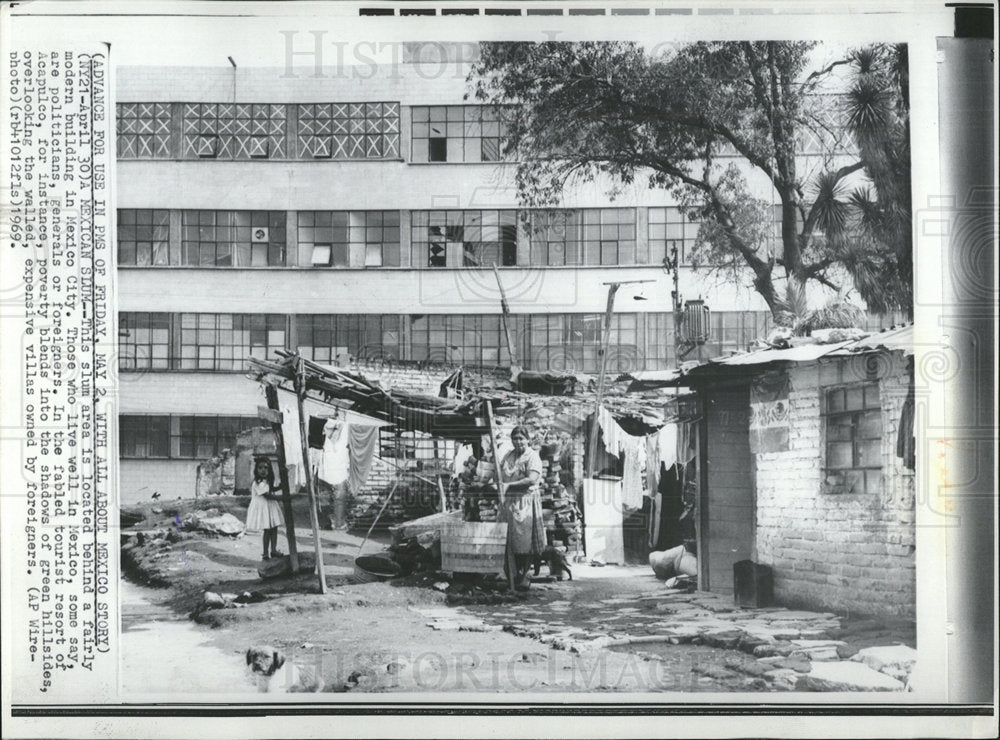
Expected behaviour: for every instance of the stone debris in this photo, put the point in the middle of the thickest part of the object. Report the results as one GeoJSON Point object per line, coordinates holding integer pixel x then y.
{"type": "Point", "coordinates": [847, 675]}
{"type": "Point", "coordinates": [893, 660]}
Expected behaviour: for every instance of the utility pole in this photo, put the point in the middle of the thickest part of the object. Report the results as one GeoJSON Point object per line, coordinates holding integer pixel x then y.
{"type": "Point", "coordinates": [608, 313]}
{"type": "Point", "coordinates": [505, 313]}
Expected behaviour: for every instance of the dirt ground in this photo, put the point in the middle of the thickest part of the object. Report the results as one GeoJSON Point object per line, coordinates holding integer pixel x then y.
{"type": "Point", "coordinates": [406, 634]}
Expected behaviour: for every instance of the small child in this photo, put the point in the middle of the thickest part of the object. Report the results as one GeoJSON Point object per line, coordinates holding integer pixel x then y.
{"type": "Point", "coordinates": [265, 512]}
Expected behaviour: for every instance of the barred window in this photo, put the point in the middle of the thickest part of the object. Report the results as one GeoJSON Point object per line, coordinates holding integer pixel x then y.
{"type": "Point", "coordinates": [142, 436]}
{"type": "Point", "coordinates": [143, 341]}
{"type": "Point", "coordinates": [463, 238]}
{"type": "Point", "coordinates": [143, 130]}
{"type": "Point", "coordinates": [458, 133]}
{"type": "Point", "coordinates": [234, 131]}
{"type": "Point", "coordinates": [233, 238]}
{"type": "Point", "coordinates": [332, 237]}
{"type": "Point", "coordinates": [324, 337]}
{"type": "Point", "coordinates": [854, 439]}
{"type": "Point", "coordinates": [590, 236]}
{"type": "Point", "coordinates": [144, 237]}
{"type": "Point", "coordinates": [668, 228]}
{"type": "Point", "coordinates": [223, 341]}
{"type": "Point", "coordinates": [203, 437]}
{"type": "Point", "coordinates": [348, 131]}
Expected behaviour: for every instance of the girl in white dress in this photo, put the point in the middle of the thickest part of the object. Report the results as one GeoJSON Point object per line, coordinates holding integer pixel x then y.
{"type": "Point", "coordinates": [264, 512]}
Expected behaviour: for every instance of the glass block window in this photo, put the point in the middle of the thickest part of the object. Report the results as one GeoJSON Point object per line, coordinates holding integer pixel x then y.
{"type": "Point", "coordinates": [457, 133]}
{"type": "Point", "coordinates": [463, 238]}
{"type": "Point", "coordinates": [466, 340]}
{"type": "Point", "coordinates": [348, 131]}
{"type": "Point", "coordinates": [331, 237]}
{"type": "Point", "coordinates": [323, 337]}
{"type": "Point", "coordinates": [668, 228]}
{"type": "Point", "coordinates": [144, 237]}
{"type": "Point", "coordinates": [571, 342]}
{"type": "Point", "coordinates": [590, 236]}
{"type": "Point", "coordinates": [144, 437]}
{"type": "Point", "coordinates": [241, 131]}
{"type": "Point", "coordinates": [853, 417]}
{"type": "Point", "coordinates": [143, 130]}
{"type": "Point", "coordinates": [233, 238]}
{"type": "Point", "coordinates": [203, 437]}
{"type": "Point", "coordinates": [143, 341]}
{"type": "Point", "coordinates": [211, 341]}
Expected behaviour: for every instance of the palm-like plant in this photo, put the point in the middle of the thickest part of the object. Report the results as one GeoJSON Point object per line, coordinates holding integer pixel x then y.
{"type": "Point", "coordinates": [876, 243]}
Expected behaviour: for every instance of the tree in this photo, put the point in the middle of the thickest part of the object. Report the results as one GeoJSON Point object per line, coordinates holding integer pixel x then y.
{"type": "Point", "coordinates": [577, 111]}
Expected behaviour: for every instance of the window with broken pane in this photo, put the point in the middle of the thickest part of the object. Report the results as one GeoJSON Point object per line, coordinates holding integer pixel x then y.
{"type": "Point", "coordinates": [457, 133]}
{"type": "Point", "coordinates": [853, 421]}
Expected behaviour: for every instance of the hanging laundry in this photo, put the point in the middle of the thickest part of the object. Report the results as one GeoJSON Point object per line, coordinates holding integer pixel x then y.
{"type": "Point", "coordinates": [336, 458]}
{"type": "Point", "coordinates": [361, 442]}
{"type": "Point", "coordinates": [635, 460]}
{"type": "Point", "coordinates": [668, 445]}
{"type": "Point", "coordinates": [611, 431]}
{"type": "Point", "coordinates": [292, 441]}
{"type": "Point", "coordinates": [652, 463]}
{"type": "Point", "coordinates": [686, 438]}
{"type": "Point", "coordinates": [464, 453]}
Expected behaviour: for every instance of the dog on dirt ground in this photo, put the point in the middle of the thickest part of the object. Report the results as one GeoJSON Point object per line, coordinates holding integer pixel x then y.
{"type": "Point", "coordinates": [275, 675]}
{"type": "Point", "coordinates": [556, 560]}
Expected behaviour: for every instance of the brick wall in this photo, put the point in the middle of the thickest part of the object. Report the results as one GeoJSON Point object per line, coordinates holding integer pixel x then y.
{"type": "Point", "coordinates": [850, 552]}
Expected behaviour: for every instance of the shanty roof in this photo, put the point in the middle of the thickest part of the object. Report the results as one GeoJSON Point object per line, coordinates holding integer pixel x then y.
{"type": "Point", "coordinates": [898, 339]}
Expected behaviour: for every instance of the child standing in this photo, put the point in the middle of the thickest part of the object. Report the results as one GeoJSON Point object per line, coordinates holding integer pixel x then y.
{"type": "Point", "coordinates": [264, 512]}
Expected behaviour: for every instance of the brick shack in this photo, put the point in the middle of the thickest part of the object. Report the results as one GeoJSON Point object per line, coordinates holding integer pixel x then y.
{"type": "Point", "coordinates": [808, 468]}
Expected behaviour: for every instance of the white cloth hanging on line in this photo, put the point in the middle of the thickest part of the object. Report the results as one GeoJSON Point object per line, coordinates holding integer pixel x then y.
{"type": "Point", "coordinates": [632, 472]}
{"type": "Point", "coordinates": [336, 466]}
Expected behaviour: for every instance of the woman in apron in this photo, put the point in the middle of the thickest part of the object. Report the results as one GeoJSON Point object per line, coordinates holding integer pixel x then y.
{"type": "Point", "coordinates": [521, 469]}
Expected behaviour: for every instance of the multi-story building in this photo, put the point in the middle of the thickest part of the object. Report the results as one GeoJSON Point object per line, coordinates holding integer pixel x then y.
{"type": "Point", "coordinates": [358, 215]}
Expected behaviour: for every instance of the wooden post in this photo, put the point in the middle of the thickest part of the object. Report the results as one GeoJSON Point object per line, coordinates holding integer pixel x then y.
{"type": "Point", "coordinates": [505, 315]}
{"type": "Point", "coordinates": [300, 391]}
{"type": "Point", "coordinates": [501, 490]}
{"type": "Point", "coordinates": [271, 393]}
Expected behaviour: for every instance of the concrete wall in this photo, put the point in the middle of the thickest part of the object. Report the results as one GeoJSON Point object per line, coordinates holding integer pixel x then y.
{"type": "Point", "coordinates": [850, 552]}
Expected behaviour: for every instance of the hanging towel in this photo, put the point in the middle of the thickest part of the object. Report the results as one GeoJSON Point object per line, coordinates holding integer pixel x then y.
{"type": "Point", "coordinates": [361, 441]}
{"type": "Point", "coordinates": [611, 431]}
{"type": "Point", "coordinates": [292, 441]}
{"type": "Point", "coordinates": [336, 457]}
{"type": "Point", "coordinates": [668, 445]}
{"type": "Point", "coordinates": [652, 463]}
{"type": "Point", "coordinates": [686, 432]}
{"type": "Point", "coordinates": [635, 459]}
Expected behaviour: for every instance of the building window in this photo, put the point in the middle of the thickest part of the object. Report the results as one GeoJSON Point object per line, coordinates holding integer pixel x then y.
{"type": "Point", "coordinates": [349, 131]}
{"type": "Point", "coordinates": [464, 340]}
{"type": "Point", "coordinates": [144, 341]}
{"type": "Point", "coordinates": [211, 341]}
{"type": "Point", "coordinates": [324, 338]}
{"type": "Point", "coordinates": [143, 130]}
{"type": "Point", "coordinates": [350, 238]}
{"type": "Point", "coordinates": [143, 237]}
{"type": "Point", "coordinates": [463, 238]}
{"type": "Point", "coordinates": [669, 228]}
{"type": "Point", "coordinates": [854, 439]}
{"type": "Point", "coordinates": [590, 236]}
{"type": "Point", "coordinates": [457, 133]}
{"type": "Point", "coordinates": [143, 436]}
{"type": "Point", "coordinates": [233, 238]}
{"type": "Point", "coordinates": [734, 331]}
{"type": "Point", "coordinates": [572, 342]}
{"type": "Point", "coordinates": [240, 131]}
{"type": "Point", "coordinates": [203, 437]}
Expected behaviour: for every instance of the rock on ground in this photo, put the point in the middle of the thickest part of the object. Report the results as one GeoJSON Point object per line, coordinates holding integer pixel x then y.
{"type": "Point", "coordinates": [847, 675]}
{"type": "Point", "coordinates": [893, 660]}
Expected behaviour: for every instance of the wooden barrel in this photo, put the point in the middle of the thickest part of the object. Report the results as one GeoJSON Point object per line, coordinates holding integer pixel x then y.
{"type": "Point", "coordinates": [474, 547]}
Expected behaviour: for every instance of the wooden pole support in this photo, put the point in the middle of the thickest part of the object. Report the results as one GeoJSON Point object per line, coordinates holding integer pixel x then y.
{"type": "Point", "coordinates": [300, 392]}
{"type": "Point", "coordinates": [274, 417]}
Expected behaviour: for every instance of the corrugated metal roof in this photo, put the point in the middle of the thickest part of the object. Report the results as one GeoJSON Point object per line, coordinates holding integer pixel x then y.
{"type": "Point", "coordinates": [900, 339]}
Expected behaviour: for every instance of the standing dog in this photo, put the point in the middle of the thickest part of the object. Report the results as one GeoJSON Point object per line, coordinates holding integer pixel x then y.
{"type": "Point", "coordinates": [275, 675]}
